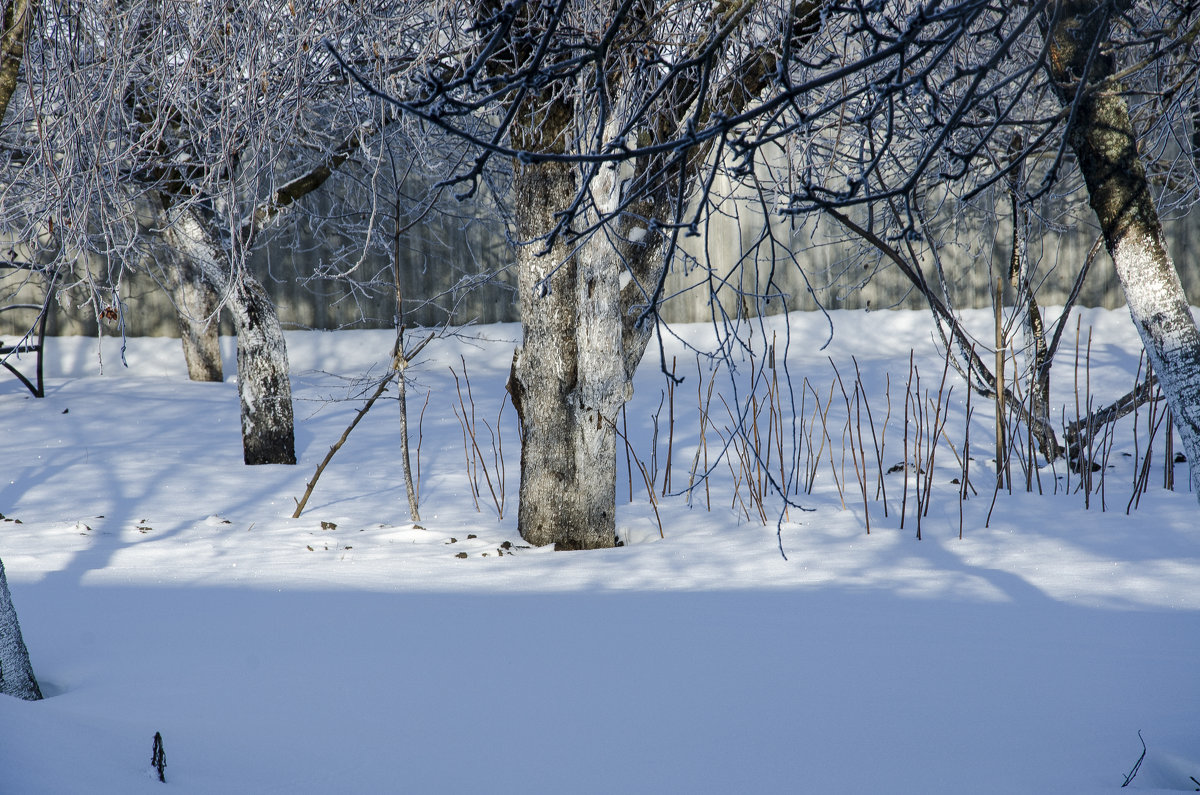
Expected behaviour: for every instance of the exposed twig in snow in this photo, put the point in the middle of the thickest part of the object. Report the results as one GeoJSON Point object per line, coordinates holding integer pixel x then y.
{"type": "Point", "coordinates": [1137, 764]}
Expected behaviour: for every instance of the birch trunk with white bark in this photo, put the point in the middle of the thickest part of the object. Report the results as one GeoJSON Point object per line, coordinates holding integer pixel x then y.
{"type": "Point", "coordinates": [1105, 143]}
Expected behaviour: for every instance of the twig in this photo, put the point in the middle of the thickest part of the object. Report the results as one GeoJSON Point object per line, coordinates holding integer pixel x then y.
{"type": "Point", "coordinates": [645, 477]}
{"type": "Point", "coordinates": [671, 381]}
{"type": "Point", "coordinates": [474, 454]}
{"type": "Point", "coordinates": [1137, 764]}
{"type": "Point", "coordinates": [338, 445]}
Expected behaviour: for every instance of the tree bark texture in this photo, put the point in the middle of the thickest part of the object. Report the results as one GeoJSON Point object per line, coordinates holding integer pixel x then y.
{"type": "Point", "coordinates": [16, 672]}
{"type": "Point", "coordinates": [1105, 143]}
{"type": "Point", "coordinates": [14, 29]}
{"type": "Point", "coordinates": [268, 435]}
{"type": "Point", "coordinates": [197, 308]}
{"type": "Point", "coordinates": [568, 452]}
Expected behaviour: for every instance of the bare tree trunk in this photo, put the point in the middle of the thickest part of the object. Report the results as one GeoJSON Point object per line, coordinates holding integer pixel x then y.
{"type": "Point", "coordinates": [268, 429]}
{"type": "Point", "coordinates": [582, 340]}
{"type": "Point", "coordinates": [568, 448]}
{"type": "Point", "coordinates": [410, 489]}
{"type": "Point", "coordinates": [14, 28]}
{"type": "Point", "coordinates": [1105, 144]}
{"type": "Point", "coordinates": [16, 672]}
{"type": "Point", "coordinates": [268, 435]}
{"type": "Point", "coordinates": [400, 362]}
{"type": "Point", "coordinates": [197, 308]}
{"type": "Point", "coordinates": [1038, 358]}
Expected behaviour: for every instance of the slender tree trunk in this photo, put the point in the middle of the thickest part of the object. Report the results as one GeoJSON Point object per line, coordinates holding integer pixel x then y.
{"type": "Point", "coordinates": [16, 673]}
{"type": "Point", "coordinates": [400, 362]}
{"type": "Point", "coordinates": [410, 489]}
{"type": "Point", "coordinates": [1105, 144]}
{"type": "Point", "coordinates": [263, 384]}
{"type": "Point", "coordinates": [1037, 365]}
{"type": "Point", "coordinates": [197, 309]}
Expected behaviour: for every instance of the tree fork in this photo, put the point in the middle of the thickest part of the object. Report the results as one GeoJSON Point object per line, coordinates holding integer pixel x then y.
{"type": "Point", "coordinates": [1105, 143]}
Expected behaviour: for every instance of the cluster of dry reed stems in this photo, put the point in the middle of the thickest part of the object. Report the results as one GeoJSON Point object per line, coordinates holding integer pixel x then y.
{"type": "Point", "coordinates": [777, 445]}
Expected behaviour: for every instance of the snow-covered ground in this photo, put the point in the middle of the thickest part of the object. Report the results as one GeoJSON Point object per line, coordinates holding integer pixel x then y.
{"type": "Point", "coordinates": [163, 587]}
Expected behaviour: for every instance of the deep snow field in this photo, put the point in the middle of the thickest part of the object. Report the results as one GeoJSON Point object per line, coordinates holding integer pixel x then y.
{"type": "Point", "coordinates": [162, 586]}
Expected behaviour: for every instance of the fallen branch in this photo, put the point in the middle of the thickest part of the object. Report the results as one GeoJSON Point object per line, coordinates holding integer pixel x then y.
{"type": "Point", "coordinates": [383, 385]}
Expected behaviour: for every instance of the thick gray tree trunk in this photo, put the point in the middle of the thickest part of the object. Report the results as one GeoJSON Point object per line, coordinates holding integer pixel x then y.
{"type": "Point", "coordinates": [568, 453]}
{"type": "Point", "coordinates": [1105, 143]}
{"type": "Point", "coordinates": [268, 435]}
{"type": "Point", "coordinates": [16, 673]}
{"type": "Point", "coordinates": [581, 302]}
{"type": "Point", "coordinates": [581, 347]}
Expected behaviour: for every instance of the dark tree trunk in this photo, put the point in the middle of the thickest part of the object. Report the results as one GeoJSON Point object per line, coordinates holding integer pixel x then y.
{"type": "Point", "coordinates": [16, 672]}
{"type": "Point", "coordinates": [1105, 143]}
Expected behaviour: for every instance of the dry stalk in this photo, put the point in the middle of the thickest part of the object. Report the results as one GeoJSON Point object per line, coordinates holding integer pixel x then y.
{"type": "Point", "coordinates": [702, 404]}
{"type": "Point", "coordinates": [1002, 474]}
{"type": "Point", "coordinates": [812, 459]}
{"type": "Point", "coordinates": [748, 460]}
{"type": "Point", "coordinates": [877, 439]}
{"type": "Point", "coordinates": [653, 469]}
{"type": "Point", "coordinates": [671, 381]}
{"type": "Point", "coordinates": [939, 426]}
{"type": "Point", "coordinates": [825, 434]}
{"type": "Point", "coordinates": [649, 482]}
{"type": "Point", "coordinates": [1169, 454]}
{"type": "Point", "coordinates": [628, 462]}
{"type": "Point", "coordinates": [860, 474]}
{"type": "Point", "coordinates": [1086, 465]}
{"type": "Point", "coordinates": [1141, 481]}
{"type": "Point", "coordinates": [777, 419]}
{"type": "Point", "coordinates": [965, 481]}
{"type": "Point", "coordinates": [421, 439]}
{"type": "Point", "coordinates": [918, 442]}
{"type": "Point", "coordinates": [476, 462]}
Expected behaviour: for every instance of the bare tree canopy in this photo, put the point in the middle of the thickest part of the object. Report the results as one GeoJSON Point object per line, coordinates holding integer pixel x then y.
{"type": "Point", "coordinates": [167, 137]}
{"type": "Point", "coordinates": [615, 121]}
{"type": "Point", "coordinates": [172, 135]}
